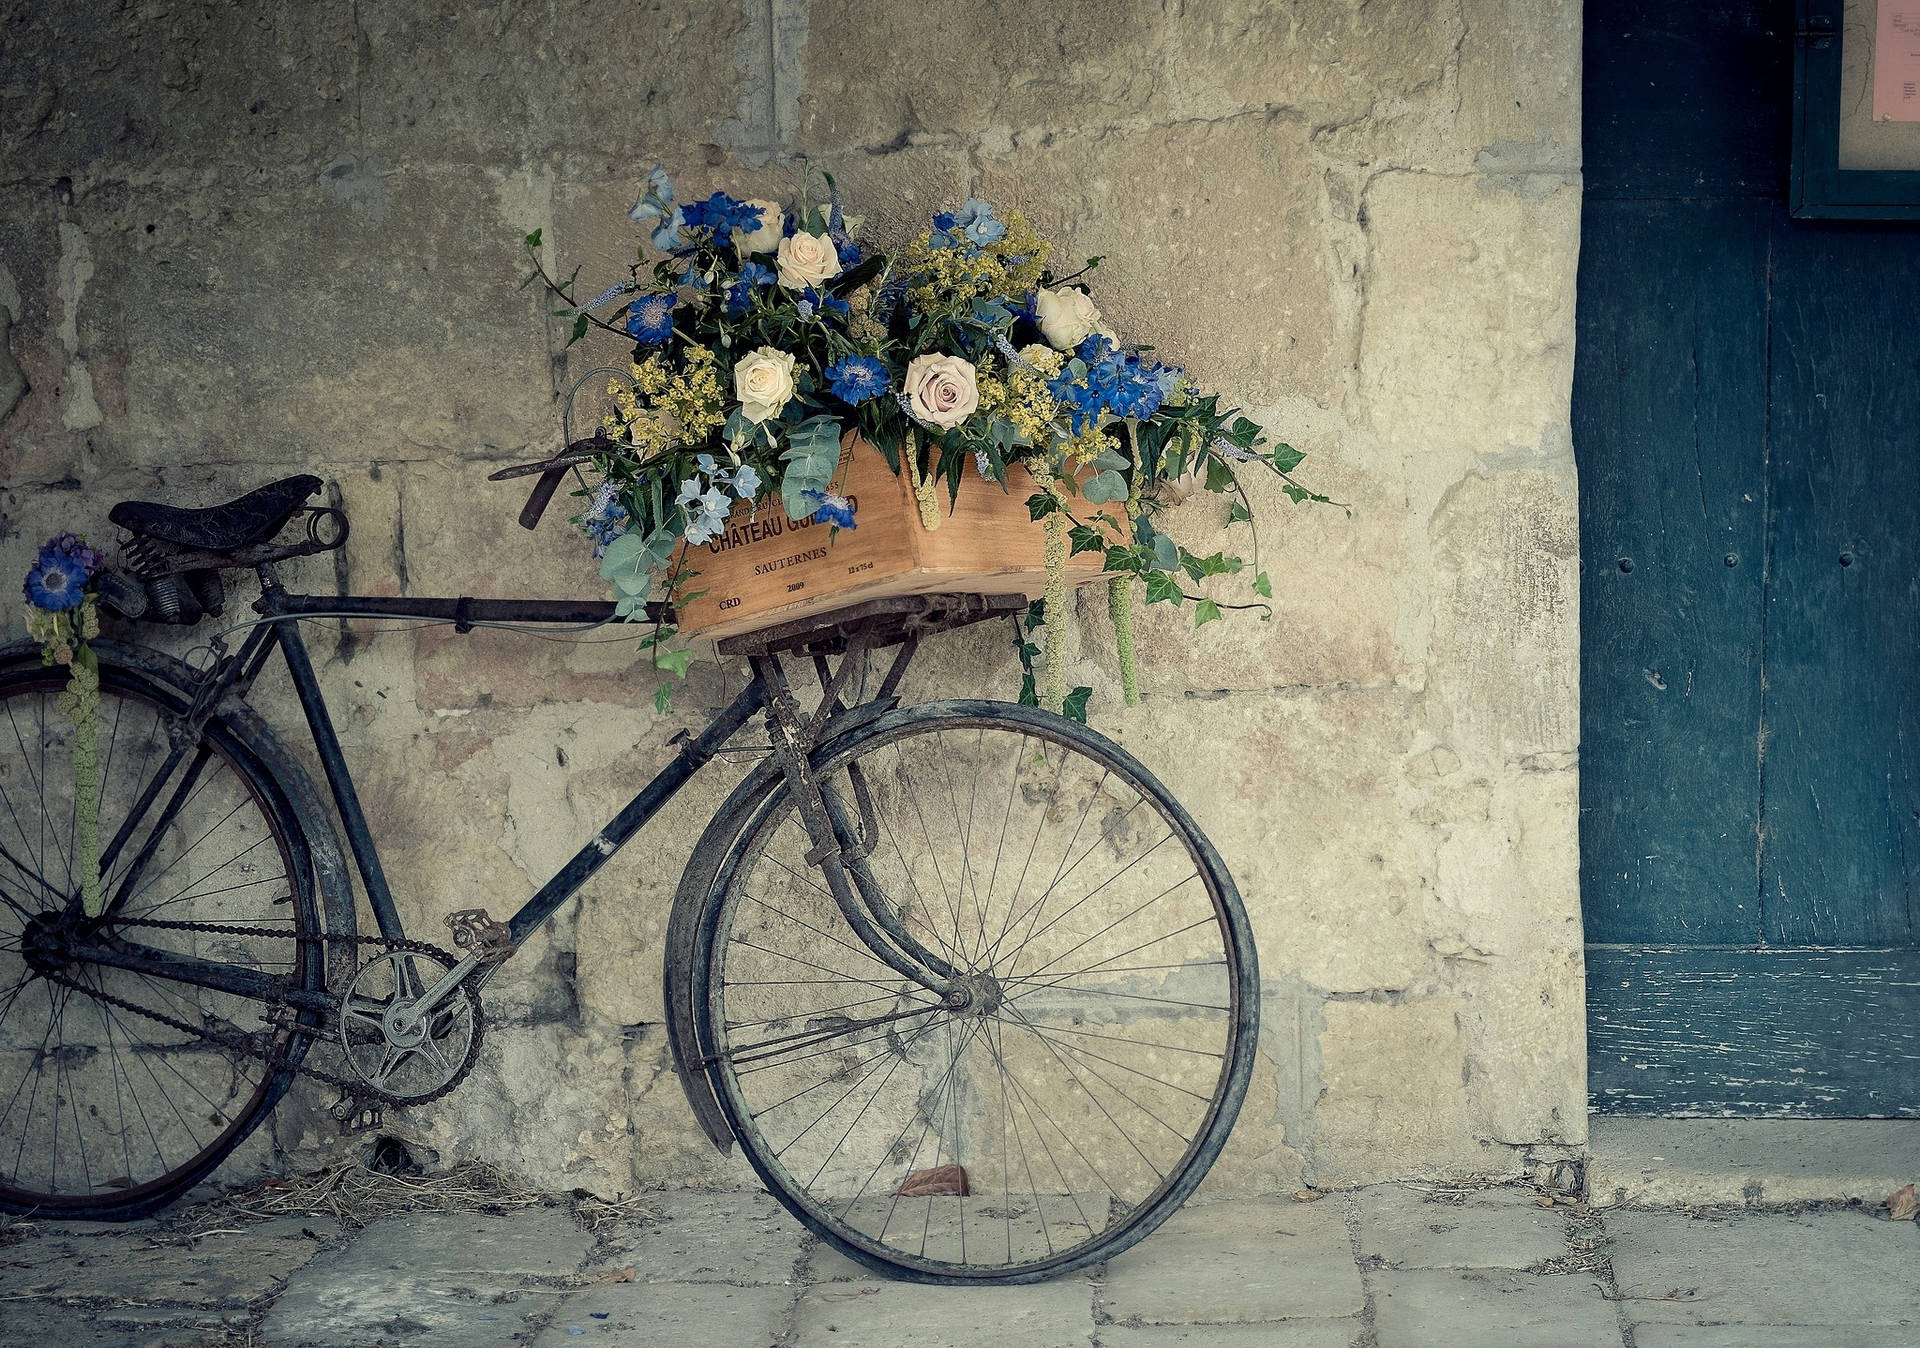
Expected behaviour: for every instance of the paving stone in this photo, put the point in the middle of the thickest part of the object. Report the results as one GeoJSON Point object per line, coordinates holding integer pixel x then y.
{"type": "Point", "coordinates": [432, 1279]}
{"type": "Point", "coordinates": [1233, 1262]}
{"type": "Point", "coordinates": [1432, 1308]}
{"type": "Point", "coordinates": [713, 1315]}
{"type": "Point", "coordinates": [708, 1237]}
{"type": "Point", "coordinates": [1762, 1268]}
{"type": "Point", "coordinates": [1056, 1314]}
{"type": "Point", "coordinates": [1276, 1334]}
{"type": "Point", "coordinates": [1758, 1336]}
{"type": "Point", "coordinates": [1495, 1228]}
{"type": "Point", "coordinates": [216, 1270]}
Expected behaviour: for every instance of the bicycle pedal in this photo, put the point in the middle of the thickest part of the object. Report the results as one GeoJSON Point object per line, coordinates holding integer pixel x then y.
{"type": "Point", "coordinates": [355, 1115]}
{"type": "Point", "coordinates": [476, 932]}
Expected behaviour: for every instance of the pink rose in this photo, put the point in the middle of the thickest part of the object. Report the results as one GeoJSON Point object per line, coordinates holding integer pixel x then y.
{"type": "Point", "coordinates": [941, 390]}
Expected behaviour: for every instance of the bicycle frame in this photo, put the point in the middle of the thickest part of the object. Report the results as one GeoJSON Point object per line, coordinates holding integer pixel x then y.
{"type": "Point", "coordinates": [838, 848]}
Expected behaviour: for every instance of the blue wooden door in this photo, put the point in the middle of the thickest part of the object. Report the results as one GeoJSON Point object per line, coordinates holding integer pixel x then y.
{"type": "Point", "coordinates": [1747, 426]}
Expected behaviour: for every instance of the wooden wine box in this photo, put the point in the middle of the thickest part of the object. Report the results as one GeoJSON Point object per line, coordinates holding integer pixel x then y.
{"type": "Point", "coordinates": [768, 569]}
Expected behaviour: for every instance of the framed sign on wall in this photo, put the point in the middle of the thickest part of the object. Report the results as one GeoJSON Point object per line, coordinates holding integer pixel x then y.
{"type": "Point", "coordinates": [1856, 109]}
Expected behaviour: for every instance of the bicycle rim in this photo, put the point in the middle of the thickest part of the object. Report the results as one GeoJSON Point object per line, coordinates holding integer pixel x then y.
{"type": "Point", "coordinates": [104, 1111]}
{"type": "Point", "coordinates": [1094, 1077]}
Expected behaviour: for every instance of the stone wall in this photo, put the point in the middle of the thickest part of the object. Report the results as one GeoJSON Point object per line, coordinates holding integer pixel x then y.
{"type": "Point", "coordinates": [242, 241]}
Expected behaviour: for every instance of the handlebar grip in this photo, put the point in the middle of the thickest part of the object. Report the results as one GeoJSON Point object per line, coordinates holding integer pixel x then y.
{"type": "Point", "coordinates": [543, 491]}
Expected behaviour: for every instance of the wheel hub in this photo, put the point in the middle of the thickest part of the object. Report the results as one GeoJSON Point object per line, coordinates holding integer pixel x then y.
{"type": "Point", "coordinates": [43, 943]}
{"type": "Point", "coordinates": [976, 995]}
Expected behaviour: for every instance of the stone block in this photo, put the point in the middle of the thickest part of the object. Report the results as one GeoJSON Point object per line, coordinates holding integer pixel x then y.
{"type": "Point", "coordinates": [1526, 1035]}
{"type": "Point", "coordinates": [1754, 1269]}
{"type": "Point", "coordinates": [732, 1236]}
{"type": "Point", "coordinates": [1230, 280]}
{"type": "Point", "coordinates": [1235, 1262]}
{"type": "Point", "coordinates": [1438, 1309]}
{"type": "Point", "coordinates": [705, 1313]}
{"type": "Point", "coordinates": [1298, 792]}
{"type": "Point", "coordinates": [1468, 336]}
{"type": "Point", "coordinates": [1757, 1336]}
{"type": "Point", "coordinates": [1403, 1227]}
{"type": "Point", "coordinates": [1055, 1314]}
{"type": "Point", "coordinates": [217, 1270]}
{"type": "Point", "coordinates": [1742, 1162]}
{"type": "Point", "coordinates": [1393, 1105]}
{"type": "Point", "coordinates": [1274, 1334]}
{"type": "Point", "coordinates": [1504, 653]}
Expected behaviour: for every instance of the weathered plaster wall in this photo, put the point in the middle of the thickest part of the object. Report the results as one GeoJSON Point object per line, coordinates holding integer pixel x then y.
{"type": "Point", "coordinates": [241, 241]}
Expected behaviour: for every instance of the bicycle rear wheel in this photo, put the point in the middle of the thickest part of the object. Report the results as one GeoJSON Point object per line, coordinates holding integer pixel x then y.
{"type": "Point", "coordinates": [1111, 995]}
{"type": "Point", "coordinates": [108, 1107]}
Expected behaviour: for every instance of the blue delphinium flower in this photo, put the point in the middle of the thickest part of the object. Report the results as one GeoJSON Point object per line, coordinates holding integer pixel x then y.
{"type": "Point", "coordinates": [942, 236]}
{"type": "Point", "coordinates": [606, 518]}
{"type": "Point", "coordinates": [753, 274]}
{"type": "Point", "coordinates": [848, 250]}
{"type": "Point", "coordinates": [650, 320]}
{"type": "Point", "coordinates": [57, 581]}
{"type": "Point", "coordinates": [746, 482]}
{"type": "Point", "coordinates": [813, 302]}
{"type": "Point", "coordinates": [976, 222]}
{"type": "Point", "coordinates": [721, 215]}
{"type": "Point", "coordinates": [854, 379]}
{"type": "Point", "coordinates": [835, 509]}
{"type": "Point", "coordinates": [706, 510]}
{"type": "Point", "coordinates": [656, 207]}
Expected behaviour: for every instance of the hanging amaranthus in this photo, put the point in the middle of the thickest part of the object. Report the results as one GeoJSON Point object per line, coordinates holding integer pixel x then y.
{"type": "Point", "coordinates": [63, 616]}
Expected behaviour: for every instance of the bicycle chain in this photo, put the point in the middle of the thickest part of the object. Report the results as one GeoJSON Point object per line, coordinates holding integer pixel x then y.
{"type": "Point", "coordinates": [351, 1086]}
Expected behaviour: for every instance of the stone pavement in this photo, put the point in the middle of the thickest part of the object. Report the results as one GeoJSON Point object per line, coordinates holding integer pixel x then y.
{"type": "Point", "coordinates": [1396, 1266]}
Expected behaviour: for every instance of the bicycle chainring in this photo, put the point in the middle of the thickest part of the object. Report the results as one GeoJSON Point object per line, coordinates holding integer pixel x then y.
{"type": "Point", "coordinates": [396, 1053]}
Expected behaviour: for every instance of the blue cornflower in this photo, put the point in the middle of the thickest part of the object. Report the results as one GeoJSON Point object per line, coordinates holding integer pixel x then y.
{"type": "Point", "coordinates": [855, 379]}
{"type": "Point", "coordinates": [656, 206]}
{"type": "Point", "coordinates": [650, 320]}
{"type": "Point", "coordinates": [722, 214]}
{"type": "Point", "coordinates": [834, 509]}
{"type": "Point", "coordinates": [57, 580]}
{"type": "Point", "coordinates": [976, 222]}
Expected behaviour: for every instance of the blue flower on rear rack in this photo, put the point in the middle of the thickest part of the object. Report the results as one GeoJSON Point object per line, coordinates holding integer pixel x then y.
{"type": "Point", "coordinates": [835, 509]}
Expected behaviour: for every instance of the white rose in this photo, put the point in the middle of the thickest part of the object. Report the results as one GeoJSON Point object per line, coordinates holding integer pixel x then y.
{"type": "Point", "coordinates": [764, 239]}
{"type": "Point", "coordinates": [806, 260]}
{"type": "Point", "coordinates": [1066, 317]}
{"type": "Point", "coordinates": [763, 382]}
{"type": "Point", "coordinates": [941, 390]}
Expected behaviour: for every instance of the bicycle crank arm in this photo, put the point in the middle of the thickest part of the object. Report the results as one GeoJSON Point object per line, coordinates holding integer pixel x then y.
{"type": "Point", "coordinates": [410, 1019]}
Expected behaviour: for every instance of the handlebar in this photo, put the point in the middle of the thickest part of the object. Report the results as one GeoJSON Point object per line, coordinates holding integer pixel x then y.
{"type": "Point", "coordinates": [551, 471]}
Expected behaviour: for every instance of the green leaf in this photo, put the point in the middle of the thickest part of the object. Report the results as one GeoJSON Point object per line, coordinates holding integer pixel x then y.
{"type": "Point", "coordinates": [1029, 695]}
{"type": "Point", "coordinates": [579, 329]}
{"type": "Point", "coordinates": [1286, 458]}
{"type": "Point", "coordinates": [674, 662]}
{"type": "Point", "coordinates": [812, 455]}
{"type": "Point", "coordinates": [1205, 612]}
{"type": "Point", "coordinates": [1219, 476]}
{"type": "Point", "coordinates": [1085, 538]}
{"type": "Point", "coordinates": [1112, 458]}
{"type": "Point", "coordinates": [663, 698]}
{"type": "Point", "coordinates": [1074, 706]}
{"type": "Point", "coordinates": [1262, 586]}
{"type": "Point", "coordinates": [1161, 586]}
{"type": "Point", "coordinates": [1040, 505]}
{"type": "Point", "coordinates": [533, 239]}
{"type": "Point", "coordinates": [1103, 486]}
{"type": "Point", "coordinates": [1238, 514]}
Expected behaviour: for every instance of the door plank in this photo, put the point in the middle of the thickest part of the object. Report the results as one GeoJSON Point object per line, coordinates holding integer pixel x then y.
{"type": "Point", "coordinates": [1669, 419]}
{"type": "Point", "coordinates": [1841, 712]}
{"type": "Point", "coordinates": [1692, 1032]}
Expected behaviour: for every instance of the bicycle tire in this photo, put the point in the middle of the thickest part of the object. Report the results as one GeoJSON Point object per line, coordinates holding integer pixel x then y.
{"type": "Point", "coordinates": [161, 1084]}
{"type": "Point", "coordinates": [757, 820]}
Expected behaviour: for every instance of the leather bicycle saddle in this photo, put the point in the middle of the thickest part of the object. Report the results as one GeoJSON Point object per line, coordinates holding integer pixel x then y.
{"type": "Point", "coordinates": [253, 518]}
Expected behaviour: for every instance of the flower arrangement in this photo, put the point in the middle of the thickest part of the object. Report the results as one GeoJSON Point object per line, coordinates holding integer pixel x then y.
{"type": "Point", "coordinates": [63, 615]}
{"type": "Point", "coordinates": [762, 332]}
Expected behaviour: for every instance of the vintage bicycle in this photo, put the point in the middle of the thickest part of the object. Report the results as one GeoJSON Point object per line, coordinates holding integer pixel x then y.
{"type": "Point", "coordinates": [972, 992]}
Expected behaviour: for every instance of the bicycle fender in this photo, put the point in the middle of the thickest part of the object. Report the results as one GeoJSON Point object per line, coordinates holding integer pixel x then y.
{"type": "Point", "coordinates": [324, 849]}
{"type": "Point", "coordinates": [710, 854]}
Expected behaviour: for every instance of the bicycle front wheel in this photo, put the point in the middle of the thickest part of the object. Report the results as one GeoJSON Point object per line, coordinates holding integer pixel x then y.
{"type": "Point", "coordinates": [119, 1089]}
{"type": "Point", "coordinates": [1109, 981]}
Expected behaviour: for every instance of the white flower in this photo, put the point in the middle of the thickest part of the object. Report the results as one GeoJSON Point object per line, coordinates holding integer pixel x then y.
{"type": "Point", "coordinates": [763, 382]}
{"type": "Point", "coordinates": [1066, 317]}
{"type": "Point", "coordinates": [764, 239]}
{"type": "Point", "coordinates": [806, 260]}
{"type": "Point", "coordinates": [941, 390]}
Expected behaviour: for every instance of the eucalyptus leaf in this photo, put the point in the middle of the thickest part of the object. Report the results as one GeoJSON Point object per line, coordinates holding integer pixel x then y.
{"type": "Point", "coordinates": [1105, 485]}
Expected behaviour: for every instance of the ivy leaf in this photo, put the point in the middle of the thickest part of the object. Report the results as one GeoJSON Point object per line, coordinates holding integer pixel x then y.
{"type": "Point", "coordinates": [579, 329]}
{"type": "Point", "coordinates": [1238, 514]}
{"type": "Point", "coordinates": [1105, 485]}
{"type": "Point", "coordinates": [1029, 695]}
{"type": "Point", "coordinates": [1286, 458]}
{"type": "Point", "coordinates": [1219, 476]}
{"type": "Point", "coordinates": [673, 661]}
{"type": "Point", "coordinates": [663, 698]}
{"type": "Point", "coordinates": [1161, 586]}
{"type": "Point", "coordinates": [1074, 706]}
{"type": "Point", "coordinates": [1262, 587]}
{"type": "Point", "coordinates": [533, 239]}
{"type": "Point", "coordinates": [1040, 505]}
{"type": "Point", "coordinates": [1205, 612]}
{"type": "Point", "coordinates": [1085, 538]}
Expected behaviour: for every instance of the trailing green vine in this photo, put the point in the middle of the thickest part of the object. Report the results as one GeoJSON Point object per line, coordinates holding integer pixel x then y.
{"type": "Point", "coordinates": [63, 615]}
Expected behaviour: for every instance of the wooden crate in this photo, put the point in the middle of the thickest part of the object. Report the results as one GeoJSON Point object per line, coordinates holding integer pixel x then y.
{"type": "Point", "coordinates": [768, 569]}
